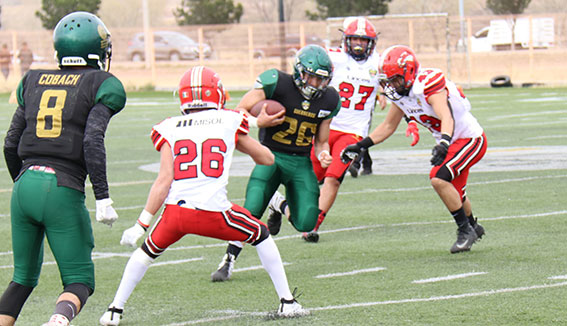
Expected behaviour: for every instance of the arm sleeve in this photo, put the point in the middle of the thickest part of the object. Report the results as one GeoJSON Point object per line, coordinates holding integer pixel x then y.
{"type": "Point", "coordinates": [13, 161]}
{"type": "Point", "coordinates": [93, 146]}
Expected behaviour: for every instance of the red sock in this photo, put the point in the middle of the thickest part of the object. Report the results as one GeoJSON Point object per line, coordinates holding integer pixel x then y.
{"type": "Point", "coordinates": [320, 220]}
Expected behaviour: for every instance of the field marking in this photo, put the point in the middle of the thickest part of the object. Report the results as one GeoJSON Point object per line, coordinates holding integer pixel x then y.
{"type": "Point", "coordinates": [253, 268]}
{"type": "Point", "coordinates": [359, 271]}
{"type": "Point", "coordinates": [176, 262]}
{"type": "Point", "coordinates": [99, 255]}
{"type": "Point", "coordinates": [558, 277]}
{"type": "Point", "coordinates": [447, 278]}
{"type": "Point", "coordinates": [236, 314]}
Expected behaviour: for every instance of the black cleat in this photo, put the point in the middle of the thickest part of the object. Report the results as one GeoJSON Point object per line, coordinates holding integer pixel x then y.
{"type": "Point", "coordinates": [312, 236]}
{"type": "Point", "coordinates": [478, 229]}
{"type": "Point", "coordinates": [465, 239]}
{"type": "Point", "coordinates": [275, 213]}
{"type": "Point", "coordinates": [224, 272]}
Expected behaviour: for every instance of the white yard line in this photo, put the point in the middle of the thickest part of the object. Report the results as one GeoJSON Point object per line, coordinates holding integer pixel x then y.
{"type": "Point", "coordinates": [237, 314]}
{"type": "Point", "coordinates": [359, 271]}
{"type": "Point", "coordinates": [447, 278]}
{"type": "Point", "coordinates": [361, 227]}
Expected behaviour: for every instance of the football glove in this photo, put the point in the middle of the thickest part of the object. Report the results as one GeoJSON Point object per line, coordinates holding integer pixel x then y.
{"type": "Point", "coordinates": [413, 131]}
{"type": "Point", "coordinates": [440, 150]}
{"type": "Point", "coordinates": [104, 211]}
{"type": "Point", "coordinates": [352, 151]}
{"type": "Point", "coordinates": [131, 235]}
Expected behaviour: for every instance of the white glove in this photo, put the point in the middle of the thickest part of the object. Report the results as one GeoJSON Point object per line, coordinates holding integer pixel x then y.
{"type": "Point", "coordinates": [131, 235]}
{"type": "Point", "coordinates": [104, 211]}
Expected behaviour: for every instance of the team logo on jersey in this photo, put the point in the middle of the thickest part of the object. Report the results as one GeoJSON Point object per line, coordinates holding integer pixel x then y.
{"type": "Point", "coordinates": [373, 72]}
{"type": "Point", "coordinates": [305, 105]}
{"type": "Point", "coordinates": [419, 102]}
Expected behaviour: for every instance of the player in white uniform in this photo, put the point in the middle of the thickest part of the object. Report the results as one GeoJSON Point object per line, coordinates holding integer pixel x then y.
{"type": "Point", "coordinates": [355, 77]}
{"type": "Point", "coordinates": [196, 153]}
{"type": "Point", "coordinates": [426, 96]}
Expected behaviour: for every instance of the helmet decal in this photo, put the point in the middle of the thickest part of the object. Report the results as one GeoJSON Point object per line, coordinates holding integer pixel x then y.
{"type": "Point", "coordinates": [201, 88]}
{"type": "Point", "coordinates": [312, 71]}
{"type": "Point", "coordinates": [359, 27]}
{"type": "Point", "coordinates": [398, 70]}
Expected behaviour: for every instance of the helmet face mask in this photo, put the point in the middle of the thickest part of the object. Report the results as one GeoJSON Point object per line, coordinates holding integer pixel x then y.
{"type": "Point", "coordinates": [359, 28]}
{"type": "Point", "coordinates": [82, 39]}
{"type": "Point", "coordinates": [201, 88]}
{"type": "Point", "coordinates": [398, 69]}
{"type": "Point", "coordinates": [312, 71]}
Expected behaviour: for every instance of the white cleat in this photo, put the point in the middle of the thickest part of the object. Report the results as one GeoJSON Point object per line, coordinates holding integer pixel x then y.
{"type": "Point", "coordinates": [111, 317]}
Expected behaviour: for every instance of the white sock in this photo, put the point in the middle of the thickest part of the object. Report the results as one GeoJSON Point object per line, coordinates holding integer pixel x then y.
{"type": "Point", "coordinates": [135, 269]}
{"type": "Point", "coordinates": [272, 262]}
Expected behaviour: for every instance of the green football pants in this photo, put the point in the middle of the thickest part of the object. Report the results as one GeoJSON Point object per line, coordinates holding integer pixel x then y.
{"type": "Point", "coordinates": [302, 190]}
{"type": "Point", "coordinates": [41, 208]}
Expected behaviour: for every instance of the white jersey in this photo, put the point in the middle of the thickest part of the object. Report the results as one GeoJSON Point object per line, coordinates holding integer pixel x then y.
{"type": "Point", "coordinates": [202, 145]}
{"type": "Point", "coordinates": [415, 106]}
{"type": "Point", "coordinates": [357, 84]}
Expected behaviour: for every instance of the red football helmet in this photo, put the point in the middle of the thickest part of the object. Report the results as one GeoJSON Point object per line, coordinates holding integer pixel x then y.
{"type": "Point", "coordinates": [398, 69]}
{"type": "Point", "coordinates": [201, 88]}
{"type": "Point", "coordinates": [359, 27]}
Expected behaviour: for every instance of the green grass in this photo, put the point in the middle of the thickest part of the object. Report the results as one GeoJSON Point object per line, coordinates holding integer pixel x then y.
{"type": "Point", "coordinates": [390, 221]}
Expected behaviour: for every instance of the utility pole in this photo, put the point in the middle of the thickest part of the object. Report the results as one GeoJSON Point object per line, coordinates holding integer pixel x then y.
{"type": "Point", "coordinates": [283, 54]}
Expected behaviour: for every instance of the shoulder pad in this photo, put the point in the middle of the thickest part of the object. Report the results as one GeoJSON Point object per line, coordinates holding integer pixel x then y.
{"type": "Point", "coordinates": [429, 81]}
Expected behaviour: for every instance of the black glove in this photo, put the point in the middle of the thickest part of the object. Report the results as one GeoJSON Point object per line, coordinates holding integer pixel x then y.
{"type": "Point", "coordinates": [439, 152]}
{"type": "Point", "coordinates": [351, 152]}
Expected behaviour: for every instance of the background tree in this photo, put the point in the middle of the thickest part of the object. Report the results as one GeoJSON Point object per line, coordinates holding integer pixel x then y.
{"type": "Point", "coordinates": [342, 8]}
{"type": "Point", "coordinates": [506, 7]}
{"type": "Point", "coordinates": [53, 10]}
{"type": "Point", "coordinates": [200, 12]}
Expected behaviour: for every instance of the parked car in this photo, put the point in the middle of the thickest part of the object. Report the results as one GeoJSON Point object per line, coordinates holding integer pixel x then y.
{"type": "Point", "coordinates": [292, 43]}
{"type": "Point", "coordinates": [168, 45]}
{"type": "Point", "coordinates": [498, 36]}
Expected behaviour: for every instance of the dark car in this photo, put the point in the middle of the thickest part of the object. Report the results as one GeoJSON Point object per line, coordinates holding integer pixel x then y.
{"type": "Point", "coordinates": [292, 44]}
{"type": "Point", "coordinates": [168, 45]}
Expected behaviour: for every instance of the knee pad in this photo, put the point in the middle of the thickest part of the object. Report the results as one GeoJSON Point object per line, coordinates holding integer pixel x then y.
{"type": "Point", "coordinates": [82, 291]}
{"type": "Point", "coordinates": [14, 298]}
{"type": "Point", "coordinates": [264, 234]}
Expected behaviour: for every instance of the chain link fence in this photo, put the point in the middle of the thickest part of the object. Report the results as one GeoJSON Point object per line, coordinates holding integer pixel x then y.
{"type": "Point", "coordinates": [240, 52]}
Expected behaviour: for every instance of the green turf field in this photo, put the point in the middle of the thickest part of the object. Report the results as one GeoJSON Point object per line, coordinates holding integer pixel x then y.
{"type": "Point", "coordinates": [383, 257]}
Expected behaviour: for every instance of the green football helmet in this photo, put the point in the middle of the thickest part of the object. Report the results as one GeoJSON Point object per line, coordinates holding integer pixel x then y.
{"type": "Point", "coordinates": [312, 71]}
{"type": "Point", "coordinates": [81, 39]}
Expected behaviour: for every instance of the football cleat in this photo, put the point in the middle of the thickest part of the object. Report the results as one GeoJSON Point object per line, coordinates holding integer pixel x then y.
{"type": "Point", "coordinates": [291, 308]}
{"type": "Point", "coordinates": [275, 213]}
{"type": "Point", "coordinates": [312, 236]}
{"type": "Point", "coordinates": [478, 229]}
{"type": "Point", "coordinates": [465, 239]}
{"type": "Point", "coordinates": [366, 172]}
{"type": "Point", "coordinates": [57, 320]}
{"type": "Point", "coordinates": [224, 272]}
{"type": "Point", "coordinates": [111, 317]}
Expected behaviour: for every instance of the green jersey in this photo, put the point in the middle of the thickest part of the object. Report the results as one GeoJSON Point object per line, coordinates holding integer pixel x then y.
{"type": "Point", "coordinates": [302, 117]}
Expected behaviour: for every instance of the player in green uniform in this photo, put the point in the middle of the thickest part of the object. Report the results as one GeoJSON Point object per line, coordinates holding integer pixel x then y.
{"type": "Point", "coordinates": [309, 106]}
{"type": "Point", "coordinates": [55, 139]}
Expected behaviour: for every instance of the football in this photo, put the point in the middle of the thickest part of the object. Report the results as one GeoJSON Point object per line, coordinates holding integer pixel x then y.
{"type": "Point", "coordinates": [272, 108]}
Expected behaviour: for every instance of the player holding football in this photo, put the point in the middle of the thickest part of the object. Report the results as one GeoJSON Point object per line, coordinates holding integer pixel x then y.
{"type": "Point", "coordinates": [55, 139]}
{"type": "Point", "coordinates": [426, 96]}
{"type": "Point", "coordinates": [355, 76]}
{"type": "Point", "coordinates": [310, 104]}
{"type": "Point", "coordinates": [196, 151]}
